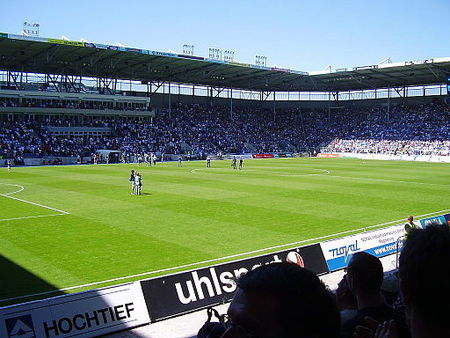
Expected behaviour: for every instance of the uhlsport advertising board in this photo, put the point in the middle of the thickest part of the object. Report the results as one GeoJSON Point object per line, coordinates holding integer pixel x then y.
{"type": "Point", "coordinates": [379, 243]}
{"type": "Point", "coordinates": [84, 314]}
{"type": "Point", "coordinates": [179, 293]}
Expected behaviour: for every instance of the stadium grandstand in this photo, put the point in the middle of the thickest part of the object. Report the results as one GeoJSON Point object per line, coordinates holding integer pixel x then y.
{"type": "Point", "coordinates": [74, 98]}
{"type": "Point", "coordinates": [70, 102]}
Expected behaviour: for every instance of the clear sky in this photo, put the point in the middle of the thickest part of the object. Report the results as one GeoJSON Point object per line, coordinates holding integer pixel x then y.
{"type": "Point", "coordinates": [301, 35]}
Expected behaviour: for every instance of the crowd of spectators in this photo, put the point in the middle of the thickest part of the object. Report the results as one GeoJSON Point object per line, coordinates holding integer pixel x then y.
{"type": "Point", "coordinates": [199, 130]}
{"type": "Point", "coordinates": [424, 130]}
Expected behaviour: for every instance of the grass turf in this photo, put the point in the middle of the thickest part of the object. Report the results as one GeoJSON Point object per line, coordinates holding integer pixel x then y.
{"type": "Point", "coordinates": [190, 214]}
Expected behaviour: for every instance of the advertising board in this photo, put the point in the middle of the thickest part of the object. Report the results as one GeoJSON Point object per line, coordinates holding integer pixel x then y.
{"type": "Point", "coordinates": [84, 314]}
{"type": "Point", "coordinates": [447, 218]}
{"type": "Point", "coordinates": [441, 219]}
{"type": "Point", "coordinates": [324, 155]}
{"type": "Point", "coordinates": [134, 50]}
{"type": "Point", "coordinates": [200, 58]}
{"type": "Point", "coordinates": [66, 42]}
{"type": "Point", "coordinates": [175, 294]}
{"type": "Point", "coordinates": [379, 243]}
{"type": "Point", "coordinates": [263, 156]}
{"type": "Point", "coordinates": [28, 38]}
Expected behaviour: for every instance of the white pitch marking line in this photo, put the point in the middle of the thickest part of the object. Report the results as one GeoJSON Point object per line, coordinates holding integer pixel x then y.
{"type": "Point", "coordinates": [37, 204]}
{"type": "Point", "coordinates": [7, 195]}
{"type": "Point", "coordinates": [323, 171]}
{"type": "Point", "coordinates": [27, 217]}
{"type": "Point", "coordinates": [194, 170]}
{"type": "Point", "coordinates": [384, 180]}
{"type": "Point", "coordinates": [216, 259]}
{"type": "Point", "coordinates": [240, 170]}
{"type": "Point", "coordinates": [14, 185]}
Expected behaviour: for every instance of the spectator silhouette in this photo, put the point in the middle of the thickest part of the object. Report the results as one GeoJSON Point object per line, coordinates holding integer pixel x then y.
{"type": "Point", "coordinates": [424, 275]}
{"type": "Point", "coordinates": [282, 300]}
{"type": "Point", "coordinates": [365, 277]}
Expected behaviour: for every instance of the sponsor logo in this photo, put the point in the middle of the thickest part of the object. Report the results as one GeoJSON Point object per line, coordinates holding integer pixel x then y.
{"type": "Point", "coordinates": [191, 290]}
{"type": "Point", "coordinates": [345, 250]}
{"type": "Point", "coordinates": [433, 220]}
{"type": "Point", "coordinates": [296, 258]}
{"type": "Point", "coordinates": [212, 284]}
{"type": "Point", "coordinates": [20, 327]}
{"type": "Point", "coordinates": [324, 155]}
{"type": "Point", "coordinates": [263, 155]}
{"type": "Point", "coordinates": [87, 320]}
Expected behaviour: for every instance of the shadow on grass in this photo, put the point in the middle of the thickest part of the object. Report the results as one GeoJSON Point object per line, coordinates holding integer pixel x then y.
{"type": "Point", "coordinates": [18, 285]}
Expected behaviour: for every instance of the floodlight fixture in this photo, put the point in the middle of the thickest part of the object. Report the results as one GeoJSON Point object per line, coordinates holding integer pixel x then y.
{"type": "Point", "coordinates": [261, 60]}
{"type": "Point", "coordinates": [228, 55]}
{"type": "Point", "coordinates": [215, 53]}
{"type": "Point", "coordinates": [30, 29]}
{"type": "Point", "coordinates": [188, 49]}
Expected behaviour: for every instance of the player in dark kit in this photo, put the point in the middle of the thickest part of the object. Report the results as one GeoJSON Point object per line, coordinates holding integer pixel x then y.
{"type": "Point", "coordinates": [241, 163]}
{"type": "Point", "coordinates": [233, 163]}
{"type": "Point", "coordinates": [131, 179]}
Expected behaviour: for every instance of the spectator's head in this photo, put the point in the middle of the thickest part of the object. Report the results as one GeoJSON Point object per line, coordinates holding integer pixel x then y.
{"type": "Point", "coordinates": [424, 276]}
{"type": "Point", "coordinates": [282, 300]}
{"type": "Point", "coordinates": [364, 274]}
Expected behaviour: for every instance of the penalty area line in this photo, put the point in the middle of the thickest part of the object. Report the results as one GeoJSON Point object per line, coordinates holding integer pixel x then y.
{"type": "Point", "coordinates": [28, 217]}
{"type": "Point", "coordinates": [37, 204]}
{"type": "Point", "coordinates": [217, 259]}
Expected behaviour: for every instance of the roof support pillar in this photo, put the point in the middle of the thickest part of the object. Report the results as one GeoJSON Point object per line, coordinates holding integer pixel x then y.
{"type": "Point", "coordinates": [265, 95]}
{"type": "Point", "coordinates": [108, 86]}
{"type": "Point", "coordinates": [170, 102]}
{"type": "Point", "coordinates": [231, 103]}
{"type": "Point", "coordinates": [14, 78]}
{"type": "Point", "coordinates": [274, 109]}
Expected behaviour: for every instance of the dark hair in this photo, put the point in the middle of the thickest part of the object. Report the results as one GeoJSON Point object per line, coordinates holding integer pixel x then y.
{"type": "Point", "coordinates": [425, 272]}
{"type": "Point", "coordinates": [307, 307]}
{"type": "Point", "coordinates": [367, 270]}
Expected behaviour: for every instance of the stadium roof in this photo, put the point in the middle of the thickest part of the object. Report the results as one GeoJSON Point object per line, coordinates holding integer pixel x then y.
{"type": "Point", "coordinates": [53, 56]}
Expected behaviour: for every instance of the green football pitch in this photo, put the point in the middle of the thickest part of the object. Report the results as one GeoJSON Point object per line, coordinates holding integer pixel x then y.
{"type": "Point", "coordinates": [72, 228]}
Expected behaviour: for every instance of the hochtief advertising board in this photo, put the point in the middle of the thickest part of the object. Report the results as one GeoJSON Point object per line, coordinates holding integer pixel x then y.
{"type": "Point", "coordinates": [84, 314]}
{"type": "Point", "coordinates": [379, 243]}
{"type": "Point", "coordinates": [188, 291]}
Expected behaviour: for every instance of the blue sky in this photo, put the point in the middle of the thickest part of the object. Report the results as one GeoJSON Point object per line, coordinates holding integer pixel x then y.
{"type": "Point", "coordinates": [301, 35]}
